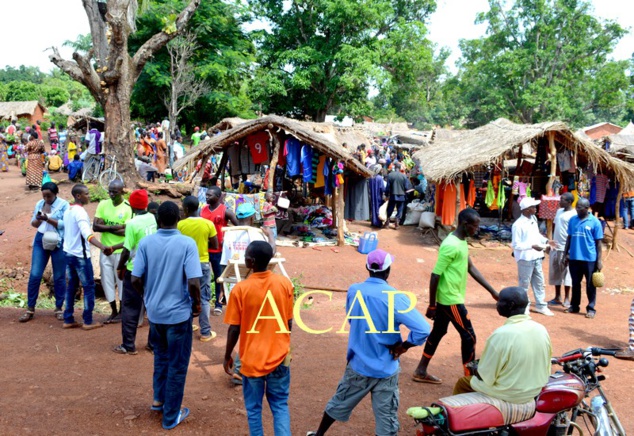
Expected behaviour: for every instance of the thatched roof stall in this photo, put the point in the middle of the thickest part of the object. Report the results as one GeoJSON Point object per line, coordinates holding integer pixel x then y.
{"type": "Point", "coordinates": [13, 110]}
{"type": "Point", "coordinates": [621, 144]}
{"type": "Point", "coordinates": [81, 122]}
{"type": "Point", "coordinates": [463, 152]}
{"type": "Point", "coordinates": [326, 138]}
{"type": "Point", "coordinates": [227, 123]}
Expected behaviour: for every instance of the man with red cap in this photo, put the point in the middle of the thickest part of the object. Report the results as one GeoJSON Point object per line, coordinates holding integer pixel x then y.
{"type": "Point", "coordinates": [196, 136]}
{"type": "Point", "coordinates": [374, 346]}
{"type": "Point", "coordinates": [140, 226]}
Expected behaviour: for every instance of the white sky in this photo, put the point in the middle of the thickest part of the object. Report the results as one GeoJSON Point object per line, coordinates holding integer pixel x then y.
{"type": "Point", "coordinates": [50, 23]}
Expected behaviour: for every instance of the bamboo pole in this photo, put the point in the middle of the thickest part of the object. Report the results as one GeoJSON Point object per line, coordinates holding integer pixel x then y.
{"type": "Point", "coordinates": [274, 160]}
{"type": "Point", "coordinates": [455, 220]}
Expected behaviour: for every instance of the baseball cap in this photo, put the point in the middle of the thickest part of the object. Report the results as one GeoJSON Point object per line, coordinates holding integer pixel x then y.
{"type": "Point", "coordinates": [528, 202]}
{"type": "Point", "coordinates": [379, 260]}
{"type": "Point", "coordinates": [245, 210]}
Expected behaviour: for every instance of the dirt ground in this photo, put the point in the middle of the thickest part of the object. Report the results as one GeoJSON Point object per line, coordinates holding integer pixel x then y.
{"type": "Point", "coordinates": [70, 382]}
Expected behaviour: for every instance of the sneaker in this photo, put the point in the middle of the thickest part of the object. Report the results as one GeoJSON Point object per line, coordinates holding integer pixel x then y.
{"type": "Point", "coordinates": [208, 337]}
{"type": "Point", "coordinates": [120, 349]}
{"type": "Point", "coordinates": [94, 325]}
{"type": "Point", "coordinates": [311, 433]}
{"type": "Point", "coordinates": [544, 311]}
{"type": "Point", "coordinates": [217, 311]}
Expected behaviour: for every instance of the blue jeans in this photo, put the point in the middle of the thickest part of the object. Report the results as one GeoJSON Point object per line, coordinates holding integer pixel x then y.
{"type": "Point", "coordinates": [276, 385]}
{"type": "Point", "coordinates": [205, 296]}
{"type": "Point", "coordinates": [214, 260]}
{"type": "Point", "coordinates": [172, 350]}
{"type": "Point", "coordinates": [39, 260]}
{"type": "Point", "coordinates": [79, 269]}
{"type": "Point", "coordinates": [391, 205]}
{"type": "Point", "coordinates": [628, 213]}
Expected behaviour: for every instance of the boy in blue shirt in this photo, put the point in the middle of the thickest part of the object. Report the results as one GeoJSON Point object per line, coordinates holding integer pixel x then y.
{"type": "Point", "coordinates": [75, 168]}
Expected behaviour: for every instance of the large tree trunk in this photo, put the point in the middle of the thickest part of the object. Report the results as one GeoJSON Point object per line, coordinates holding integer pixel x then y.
{"type": "Point", "coordinates": [113, 79]}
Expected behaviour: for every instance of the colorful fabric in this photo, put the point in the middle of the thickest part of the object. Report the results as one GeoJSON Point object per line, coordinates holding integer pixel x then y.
{"type": "Point", "coordinates": [268, 212]}
{"type": "Point", "coordinates": [548, 207]}
{"type": "Point", "coordinates": [320, 180]}
{"type": "Point", "coordinates": [601, 183]}
{"type": "Point", "coordinates": [4, 159]}
{"type": "Point", "coordinates": [314, 166]}
{"type": "Point", "coordinates": [35, 165]}
{"type": "Point", "coordinates": [307, 163]}
{"type": "Point", "coordinates": [251, 307]}
{"type": "Point", "coordinates": [232, 201]}
{"type": "Point", "coordinates": [292, 152]}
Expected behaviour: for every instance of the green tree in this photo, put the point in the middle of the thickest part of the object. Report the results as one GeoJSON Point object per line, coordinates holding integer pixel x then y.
{"type": "Point", "coordinates": [22, 73]}
{"type": "Point", "coordinates": [222, 60]}
{"type": "Point", "coordinates": [541, 60]}
{"type": "Point", "coordinates": [22, 91]}
{"type": "Point", "coordinates": [323, 55]}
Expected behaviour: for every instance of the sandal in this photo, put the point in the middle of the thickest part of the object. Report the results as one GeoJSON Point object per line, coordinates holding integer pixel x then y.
{"type": "Point", "coordinates": [27, 316]}
{"type": "Point", "coordinates": [59, 314]}
{"type": "Point", "coordinates": [591, 315]}
{"type": "Point", "coordinates": [427, 378]}
{"type": "Point", "coordinates": [571, 310]}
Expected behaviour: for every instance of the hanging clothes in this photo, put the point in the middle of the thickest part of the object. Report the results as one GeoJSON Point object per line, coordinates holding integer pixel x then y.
{"type": "Point", "coordinates": [489, 199]}
{"type": "Point", "coordinates": [292, 152]}
{"type": "Point", "coordinates": [307, 163]}
{"type": "Point", "coordinates": [377, 188]}
{"type": "Point", "coordinates": [357, 200]}
{"type": "Point", "coordinates": [234, 157]}
{"type": "Point", "coordinates": [446, 202]}
{"type": "Point", "coordinates": [320, 180]}
{"type": "Point", "coordinates": [314, 165]}
{"type": "Point", "coordinates": [601, 181]}
{"type": "Point", "coordinates": [471, 197]}
{"type": "Point", "coordinates": [258, 146]}
{"type": "Point", "coordinates": [328, 177]}
{"type": "Point", "coordinates": [247, 166]}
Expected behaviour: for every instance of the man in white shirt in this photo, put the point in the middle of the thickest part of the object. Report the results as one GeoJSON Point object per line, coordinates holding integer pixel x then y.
{"type": "Point", "coordinates": [77, 235]}
{"type": "Point", "coordinates": [558, 273]}
{"type": "Point", "coordinates": [528, 249]}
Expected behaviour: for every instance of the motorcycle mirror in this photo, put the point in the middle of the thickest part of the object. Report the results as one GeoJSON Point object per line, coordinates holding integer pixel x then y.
{"type": "Point", "coordinates": [603, 362]}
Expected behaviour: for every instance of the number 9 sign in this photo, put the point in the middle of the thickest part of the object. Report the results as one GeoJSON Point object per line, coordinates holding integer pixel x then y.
{"type": "Point", "coordinates": [258, 147]}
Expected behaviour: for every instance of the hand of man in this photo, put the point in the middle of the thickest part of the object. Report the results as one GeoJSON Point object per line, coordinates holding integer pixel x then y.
{"type": "Point", "coordinates": [431, 312]}
{"type": "Point", "coordinates": [108, 251]}
{"type": "Point", "coordinates": [397, 349]}
{"type": "Point", "coordinates": [537, 247]}
{"type": "Point", "coordinates": [121, 274]}
{"type": "Point", "coordinates": [599, 265]}
{"type": "Point", "coordinates": [566, 260]}
{"type": "Point", "coordinates": [196, 309]}
{"type": "Point", "coordinates": [228, 365]}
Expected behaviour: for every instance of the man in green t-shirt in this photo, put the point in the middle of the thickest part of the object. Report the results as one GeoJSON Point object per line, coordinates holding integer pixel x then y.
{"type": "Point", "coordinates": [447, 289]}
{"type": "Point", "coordinates": [110, 220]}
{"type": "Point", "coordinates": [203, 232]}
{"type": "Point", "coordinates": [142, 225]}
{"type": "Point", "coordinates": [196, 136]}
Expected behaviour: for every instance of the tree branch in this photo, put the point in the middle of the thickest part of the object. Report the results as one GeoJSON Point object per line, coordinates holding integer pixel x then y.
{"type": "Point", "coordinates": [156, 42]}
{"type": "Point", "coordinates": [76, 72]}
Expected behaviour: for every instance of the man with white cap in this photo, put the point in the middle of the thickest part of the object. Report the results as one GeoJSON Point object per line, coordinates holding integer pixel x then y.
{"type": "Point", "coordinates": [375, 310]}
{"type": "Point", "coordinates": [528, 249]}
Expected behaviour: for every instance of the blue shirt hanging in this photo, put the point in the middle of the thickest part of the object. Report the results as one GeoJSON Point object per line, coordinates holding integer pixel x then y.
{"type": "Point", "coordinates": [292, 151]}
{"type": "Point", "coordinates": [307, 163]}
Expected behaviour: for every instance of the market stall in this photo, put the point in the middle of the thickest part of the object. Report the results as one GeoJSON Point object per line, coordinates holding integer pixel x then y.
{"type": "Point", "coordinates": [498, 164]}
{"type": "Point", "coordinates": [287, 155]}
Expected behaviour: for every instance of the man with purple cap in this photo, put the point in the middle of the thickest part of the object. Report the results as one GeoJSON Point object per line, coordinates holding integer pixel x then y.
{"type": "Point", "coordinates": [528, 249]}
{"type": "Point", "coordinates": [375, 310]}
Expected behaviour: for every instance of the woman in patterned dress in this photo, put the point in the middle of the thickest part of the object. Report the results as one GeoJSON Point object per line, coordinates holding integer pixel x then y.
{"type": "Point", "coordinates": [4, 157]}
{"type": "Point", "coordinates": [35, 165]}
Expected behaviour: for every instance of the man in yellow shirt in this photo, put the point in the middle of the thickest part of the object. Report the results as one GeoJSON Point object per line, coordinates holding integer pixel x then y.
{"type": "Point", "coordinates": [515, 364]}
{"type": "Point", "coordinates": [203, 232]}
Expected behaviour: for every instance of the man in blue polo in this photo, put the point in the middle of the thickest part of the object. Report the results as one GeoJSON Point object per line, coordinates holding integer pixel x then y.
{"type": "Point", "coordinates": [583, 253]}
{"type": "Point", "coordinates": [375, 312]}
{"type": "Point", "coordinates": [167, 273]}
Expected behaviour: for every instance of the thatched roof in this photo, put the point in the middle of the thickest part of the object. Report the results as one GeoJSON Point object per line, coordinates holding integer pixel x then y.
{"type": "Point", "coordinates": [447, 159]}
{"type": "Point", "coordinates": [81, 122]}
{"type": "Point", "coordinates": [621, 145]}
{"type": "Point", "coordinates": [412, 139]}
{"type": "Point", "coordinates": [10, 109]}
{"type": "Point", "coordinates": [385, 129]}
{"type": "Point", "coordinates": [324, 137]}
{"type": "Point", "coordinates": [227, 123]}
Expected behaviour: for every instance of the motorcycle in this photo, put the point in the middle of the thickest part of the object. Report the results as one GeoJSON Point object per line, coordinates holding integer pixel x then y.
{"type": "Point", "coordinates": [563, 406]}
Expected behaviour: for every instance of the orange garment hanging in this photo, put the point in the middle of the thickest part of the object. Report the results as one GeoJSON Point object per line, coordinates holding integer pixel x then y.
{"type": "Point", "coordinates": [446, 202]}
{"type": "Point", "coordinates": [471, 198]}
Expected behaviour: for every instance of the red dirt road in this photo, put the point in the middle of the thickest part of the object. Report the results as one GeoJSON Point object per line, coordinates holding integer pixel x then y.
{"type": "Point", "coordinates": [69, 382]}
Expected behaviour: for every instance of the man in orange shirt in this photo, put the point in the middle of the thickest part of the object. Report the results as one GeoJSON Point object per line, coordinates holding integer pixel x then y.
{"type": "Point", "coordinates": [259, 313]}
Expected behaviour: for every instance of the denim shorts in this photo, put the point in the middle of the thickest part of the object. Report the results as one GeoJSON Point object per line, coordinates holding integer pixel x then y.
{"type": "Point", "coordinates": [353, 387]}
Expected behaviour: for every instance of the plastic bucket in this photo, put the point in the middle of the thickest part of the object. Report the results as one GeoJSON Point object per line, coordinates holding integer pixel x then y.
{"type": "Point", "coordinates": [369, 242]}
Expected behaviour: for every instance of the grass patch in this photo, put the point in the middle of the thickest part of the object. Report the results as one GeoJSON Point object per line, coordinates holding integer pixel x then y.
{"type": "Point", "coordinates": [46, 302]}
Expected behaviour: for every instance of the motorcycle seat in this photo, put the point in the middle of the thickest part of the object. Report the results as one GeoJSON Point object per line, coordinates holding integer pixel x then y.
{"type": "Point", "coordinates": [474, 411]}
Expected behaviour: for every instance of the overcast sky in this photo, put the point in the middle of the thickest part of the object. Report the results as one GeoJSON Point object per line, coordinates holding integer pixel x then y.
{"type": "Point", "coordinates": [35, 25]}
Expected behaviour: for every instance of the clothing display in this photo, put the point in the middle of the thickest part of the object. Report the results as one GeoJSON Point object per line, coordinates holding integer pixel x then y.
{"type": "Point", "coordinates": [292, 152]}
{"type": "Point", "coordinates": [234, 159]}
{"type": "Point", "coordinates": [247, 166]}
{"type": "Point", "coordinates": [307, 163]}
{"type": "Point", "coordinates": [258, 146]}
{"type": "Point", "coordinates": [357, 200]}
{"type": "Point", "coordinates": [601, 183]}
{"type": "Point", "coordinates": [232, 201]}
{"type": "Point", "coordinates": [446, 202]}
{"type": "Point", "coordinates": [548, 207]}
{"type": "Point", "coordinates": [564, 160]}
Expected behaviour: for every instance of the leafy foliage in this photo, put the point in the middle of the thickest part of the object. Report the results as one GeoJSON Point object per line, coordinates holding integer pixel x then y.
{"type": "Point", "coordinates": [543, 60]}
{"type": "Point", "coordinates": [324, 55]}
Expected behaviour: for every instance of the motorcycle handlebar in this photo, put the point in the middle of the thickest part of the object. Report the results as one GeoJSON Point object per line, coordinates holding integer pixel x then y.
{"type": "Point", "coordinates": [602, 351]}
{"type": "Point", "coordinates": [579, 353]}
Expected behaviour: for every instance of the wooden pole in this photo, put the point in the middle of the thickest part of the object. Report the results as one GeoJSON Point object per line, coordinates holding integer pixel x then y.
{"type": "Point", "coordinates": [338, 209]}
{"type": "Point", "coordinates": [455, 220]}
{"type": "Point", "coordinates": [274, 160]}
{"type": "Point", "coordinates": [222, 165]}
{"type": "Point", "coordinates": [617, 215]}
{"type": "Point", "coordinates": [551, 178]}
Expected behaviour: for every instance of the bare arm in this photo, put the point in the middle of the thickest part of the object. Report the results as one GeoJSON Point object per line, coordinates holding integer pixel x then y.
{"type": "Point", "coordinates": [566, 250]}
{"type": "Point", "coordinates": [599, 265]}
{"type": "Point", "coordinates": [233, 334]}
{"type": "Point", "coordinates": [270, 236]}
{"type": "Point", "coordinates": [193, 285]}
{"type": "Point", "coordinates": [433, 289]}
{"type": "Point", "coordinates": [213, 242]}
{"type": "Point", "coordinates": [123, 259]}
{"type": "Point", "coordinates": [231, 217]}
{"type": "Point", "coordinates": [99, 226]}
{"type": "Point", "coordinates": [137, 284]}
{"type": "Point", "coordinates": [477, 276]}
